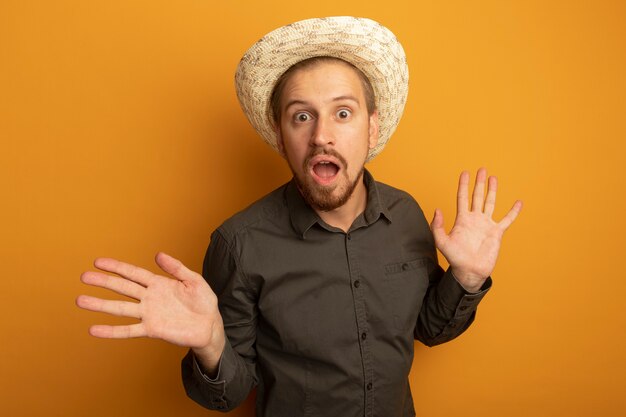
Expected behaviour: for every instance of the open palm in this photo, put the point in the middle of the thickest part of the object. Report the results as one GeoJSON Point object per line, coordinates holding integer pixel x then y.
{"type": "Point", "coordinates": [472, 246]}
{"type": "Point", "coordinates": [182, 311]}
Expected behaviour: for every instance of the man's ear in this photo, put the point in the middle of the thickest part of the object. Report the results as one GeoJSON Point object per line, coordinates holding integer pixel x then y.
{"type": "Point", "coordinates": [279, 141]}
{"type": "Point", "coordinates": [373, 130]}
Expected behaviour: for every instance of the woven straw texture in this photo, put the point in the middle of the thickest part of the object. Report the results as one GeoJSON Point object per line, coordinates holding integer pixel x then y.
{"type": "Point", "coordinates": [363, 42]}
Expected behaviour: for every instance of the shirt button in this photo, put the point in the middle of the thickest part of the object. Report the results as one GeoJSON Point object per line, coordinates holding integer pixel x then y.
{"type": "Point", "coordinates": [369, 386]}
{"type": "Point", "coordinates": [349, 236]}
{"type": "Point", "coordinates": [363, 336]}
{"type": "Point", "coordinates": [357, 283]}
{"type": "Point", "coordinates": [405, 267]}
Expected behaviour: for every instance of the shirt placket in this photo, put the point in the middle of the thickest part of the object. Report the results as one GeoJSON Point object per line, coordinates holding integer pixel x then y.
{"type": "Point", "coordinates": [363, 330]}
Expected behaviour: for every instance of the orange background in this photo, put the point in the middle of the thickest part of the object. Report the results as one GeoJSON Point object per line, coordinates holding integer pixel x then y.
{"type": "Point", "coordinates": [121, 136]}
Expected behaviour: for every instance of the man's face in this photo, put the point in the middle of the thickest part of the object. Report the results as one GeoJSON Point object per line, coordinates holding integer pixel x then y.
{"type": "Point", "coordinates": [325, 132]}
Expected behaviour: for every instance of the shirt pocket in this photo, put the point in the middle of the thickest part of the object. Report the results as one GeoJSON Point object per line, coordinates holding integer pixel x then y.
{"type": "Point", "coordinates": [406, 283]}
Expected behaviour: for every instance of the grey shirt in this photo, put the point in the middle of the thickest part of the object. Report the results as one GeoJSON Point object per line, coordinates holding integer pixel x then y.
{"type": "Point", "coordinates": [322, 321]}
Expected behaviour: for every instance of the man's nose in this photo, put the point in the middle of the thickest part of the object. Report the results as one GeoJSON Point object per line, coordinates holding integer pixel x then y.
{"type": "Point", "coordinates": [322, 132]}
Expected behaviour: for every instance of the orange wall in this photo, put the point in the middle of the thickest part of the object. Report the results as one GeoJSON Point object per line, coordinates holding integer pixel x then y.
{"type": "Point", "coordinates": [121, 136]}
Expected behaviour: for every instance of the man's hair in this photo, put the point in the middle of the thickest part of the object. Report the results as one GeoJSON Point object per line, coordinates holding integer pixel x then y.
{"type": "Point", "coordinates": [368, 90]}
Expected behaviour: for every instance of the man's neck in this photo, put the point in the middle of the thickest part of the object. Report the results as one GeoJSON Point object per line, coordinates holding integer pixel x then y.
{"type": "Point", "coordinates": [343, 217]}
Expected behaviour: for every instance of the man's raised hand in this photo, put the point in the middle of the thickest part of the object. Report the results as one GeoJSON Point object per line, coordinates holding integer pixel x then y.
{"type": "Point", "coordinates": [472, 246]}
{"type": "Point", "coordinates": [182, 311]}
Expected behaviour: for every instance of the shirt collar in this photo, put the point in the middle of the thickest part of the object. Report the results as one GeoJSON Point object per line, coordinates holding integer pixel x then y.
{"type": "Point", "coordinates": [303, 217]}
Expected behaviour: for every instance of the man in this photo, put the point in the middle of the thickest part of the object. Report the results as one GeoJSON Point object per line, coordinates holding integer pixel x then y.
{"type": "Point", "coordinates": [318, 290]}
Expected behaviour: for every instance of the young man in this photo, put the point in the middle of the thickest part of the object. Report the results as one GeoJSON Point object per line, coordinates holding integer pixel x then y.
{"type": "Point", "coordinates": [317, 291]}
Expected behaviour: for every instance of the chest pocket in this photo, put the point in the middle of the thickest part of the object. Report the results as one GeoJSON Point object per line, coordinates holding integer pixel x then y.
{"type": "Point", "coordinates": [406, 283]}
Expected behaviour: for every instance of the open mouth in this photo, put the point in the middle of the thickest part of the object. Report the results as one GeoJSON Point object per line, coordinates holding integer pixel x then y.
{"type": "Point", "coordinates": [324, 170]}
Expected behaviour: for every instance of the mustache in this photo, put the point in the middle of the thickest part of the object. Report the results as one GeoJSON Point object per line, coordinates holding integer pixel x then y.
{"type": "Point", "coordinates": [323, 151]}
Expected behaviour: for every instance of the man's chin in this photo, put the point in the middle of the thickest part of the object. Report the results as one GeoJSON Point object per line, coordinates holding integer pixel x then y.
{"type": "Point", "coordinates": [327, 203]}
{"type": "Point", "coordinates": [322, 197]}
{"type": "Point", "coordinates": [327, 197]}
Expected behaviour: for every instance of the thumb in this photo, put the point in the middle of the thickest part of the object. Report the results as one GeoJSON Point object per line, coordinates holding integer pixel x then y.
{"type": "Point", "coordinates": [436, 226]}
{"type": "Point", "coordinates": [174, 267]}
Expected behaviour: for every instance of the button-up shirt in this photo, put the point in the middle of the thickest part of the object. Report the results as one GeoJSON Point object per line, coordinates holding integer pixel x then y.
{"type": "Point", "coordinates": [323, 321]}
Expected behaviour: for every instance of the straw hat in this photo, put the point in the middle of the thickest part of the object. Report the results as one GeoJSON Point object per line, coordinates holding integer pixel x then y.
{"type": "Point", "coordinates": [362, 42]}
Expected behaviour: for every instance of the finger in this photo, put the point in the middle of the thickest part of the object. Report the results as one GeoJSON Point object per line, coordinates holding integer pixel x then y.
{"type": "Point", "coordinates": [119, 285]}
{"type": "Point", "coordinates": [114, 307]}
{"type": "Point", "coordinates": [129, 271]}
{"type": "Point", "coordinates": [118, 332]}
{"type": "Point", "coordinates": [490, 202]}
{"type": "Point", "coordinates": [436, 226]}
{"type": "Point", "coordinates": [511, 215]}
{"type": "Point", "coordinates": [175, 267]}
{"type": "Point", "coordinates": [462, 193]}
{"type": "Point", "coordinates": [478, 197]}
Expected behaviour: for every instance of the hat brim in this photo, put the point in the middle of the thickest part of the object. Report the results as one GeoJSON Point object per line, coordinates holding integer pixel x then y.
{"type": "Point", "coordinates": [364, 43]}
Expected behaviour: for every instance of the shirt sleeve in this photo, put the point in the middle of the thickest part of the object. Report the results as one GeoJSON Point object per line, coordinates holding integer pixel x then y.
{"type": "Point", "coordinates": [236, 374]}
{"type": "Point", "coordinates": [448, 310]}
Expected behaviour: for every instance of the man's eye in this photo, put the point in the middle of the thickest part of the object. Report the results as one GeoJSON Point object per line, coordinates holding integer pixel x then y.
{"type": "Point", "coordinates": [302, 117]}
{"type": "Point", "coordinates": [343, 114]}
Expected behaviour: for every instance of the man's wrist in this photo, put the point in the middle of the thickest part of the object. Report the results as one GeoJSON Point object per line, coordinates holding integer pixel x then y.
{"type": "Point", "coordinates": [470, 283]}
{"type": "Point", "coordinates": [209, 359]}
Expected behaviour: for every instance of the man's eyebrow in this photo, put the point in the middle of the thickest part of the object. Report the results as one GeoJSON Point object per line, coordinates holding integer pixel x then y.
{"type": "Point", "coordinates": [347, 97]}
{"type": "Point", "coordinates": [294, 102]}
{"type": "Point", "coordinates": [338, 98]}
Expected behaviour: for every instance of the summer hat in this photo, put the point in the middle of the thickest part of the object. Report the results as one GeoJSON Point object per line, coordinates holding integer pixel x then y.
{"type": "Point", "coordinates": [364, 43]}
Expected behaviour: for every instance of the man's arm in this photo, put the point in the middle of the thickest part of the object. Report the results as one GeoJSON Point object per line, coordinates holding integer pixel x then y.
{"type": "Point", "coordinates": [236, 374]}
{"type": "Point", "coordinates": [471, 248]}
{"type": "Point", "coordinates": [448, 309]}
{"type": "Point", "coordinates": [182, 311]}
